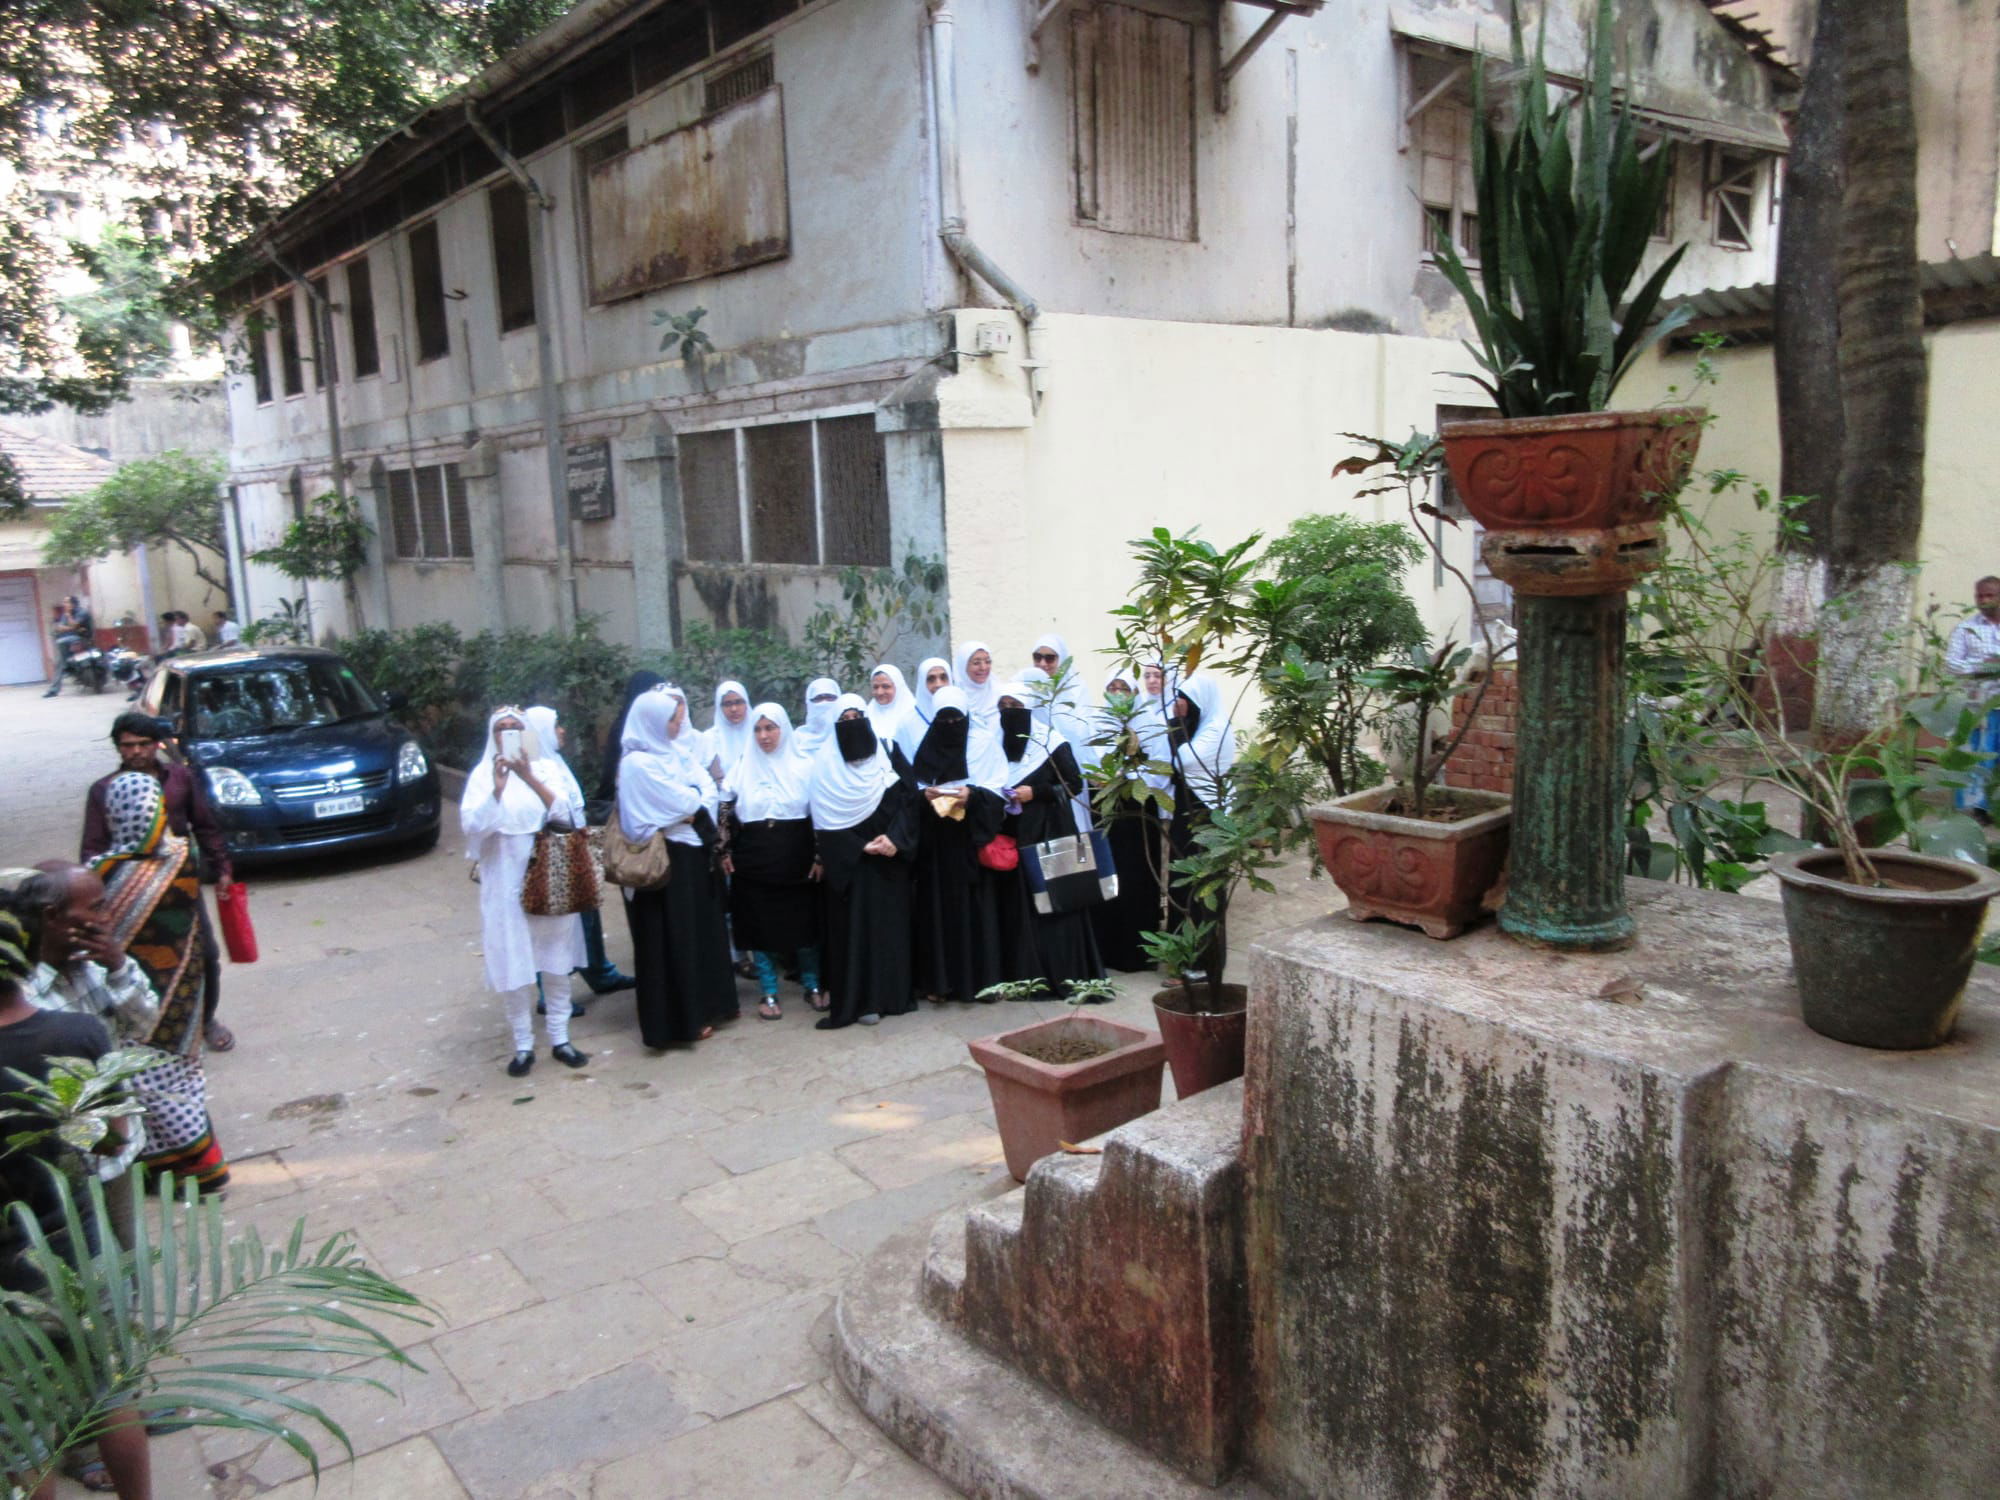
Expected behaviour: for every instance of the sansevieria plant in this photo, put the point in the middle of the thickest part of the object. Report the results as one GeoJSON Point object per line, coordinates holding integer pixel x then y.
{"type": "Point", "coordinates": [1568, 202]}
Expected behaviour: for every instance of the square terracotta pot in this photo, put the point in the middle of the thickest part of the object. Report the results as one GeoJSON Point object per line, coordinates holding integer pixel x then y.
{"type": "Point", "coordinates": [1409, 870]}
{"type": "Point", "coordinates": [1039, 1105]}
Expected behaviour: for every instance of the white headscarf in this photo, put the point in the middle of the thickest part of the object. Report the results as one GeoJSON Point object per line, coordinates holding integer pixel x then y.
{"type": "Point", "coordinates": [1042, 740]}
{"type": "Point", "coordinates": [818, 725]}
{"type": "Point", "coordinates": [1212, 750]}
{"type": "Point", "coordinates": [541, 723]}
{"type": "Point", "coordinates": [660, 781]}
{"type": "Point", "coordinates": [897, 719]}
{"type": "Point", "coordinates": [922, 692]}
{"type": "Point", "coordinates": [846, 792]}
{"type": "Point", "coordinates": [984, 764]}
{"type": "Point", "coordinates": [1060, 704]}
{"type": "Point", "coordinates": [726, 742]}
{"type": "Point", "coordinates": [518, 808]}
{"type": "Point", "coordinates": [770, 783]}
{"type": "Point", "coordinates": [1150, 722]}
{"type": "Point", "coordinates": [980, 701]}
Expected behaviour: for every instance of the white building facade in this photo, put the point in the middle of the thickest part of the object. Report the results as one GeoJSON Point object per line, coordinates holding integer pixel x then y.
{"type": "Point", "coordinates": [1005, 282]}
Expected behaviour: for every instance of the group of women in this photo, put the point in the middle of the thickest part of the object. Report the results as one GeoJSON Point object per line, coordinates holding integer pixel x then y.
{"type": "Point", "coordinates": [863, 850]}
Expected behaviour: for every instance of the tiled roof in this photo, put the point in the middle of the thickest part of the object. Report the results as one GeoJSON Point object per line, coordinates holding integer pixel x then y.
{"type": "Point", "coordinates": [50, 470]}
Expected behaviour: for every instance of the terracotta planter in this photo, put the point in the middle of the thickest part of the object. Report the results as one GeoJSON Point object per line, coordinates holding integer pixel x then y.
{"type": "Point", "coordinates": [1204, 1048]}
{"type": "Point", "coordinates": [1571, 505]}
{"type": "Point", "coordinates": [1039, 1105]}
{"type": "Point", "coordinates": [1883, 967]}
{"type": "Point", "coordinates": [1409, 870]}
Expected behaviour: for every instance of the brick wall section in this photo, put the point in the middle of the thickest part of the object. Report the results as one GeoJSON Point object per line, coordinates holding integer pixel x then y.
{"type": "Point", "coordinates": [1484, 760]}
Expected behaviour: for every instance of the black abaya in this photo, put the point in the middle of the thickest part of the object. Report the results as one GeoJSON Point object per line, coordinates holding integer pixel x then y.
{"type": "Point", "coordinates": [1138, 839]}
{"type": "Point", "coordinates": [956, 912]}
{"type": "Point", "coordinates": [1190, 814]}
{"type": "Point", "coordinates": [865, 960]}
{"type": "Point", "coordinates": [680, 952]}
{"type": "Point", "coordinates": [774, 906]}
{"type": "Point", "coordinates": [1061, 945]}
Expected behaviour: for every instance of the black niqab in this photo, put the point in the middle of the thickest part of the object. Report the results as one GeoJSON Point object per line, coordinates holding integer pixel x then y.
{"type": "Point", "coordinates": [1015, 726]}
{"type": "Point", "coordinates": [941, 755]}
{"type": "Point", "coordinates": [856, 738]}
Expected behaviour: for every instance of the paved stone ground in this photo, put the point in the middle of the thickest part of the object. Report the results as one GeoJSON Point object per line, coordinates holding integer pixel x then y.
{"type": "Point", "coordinates": [631, 1265]}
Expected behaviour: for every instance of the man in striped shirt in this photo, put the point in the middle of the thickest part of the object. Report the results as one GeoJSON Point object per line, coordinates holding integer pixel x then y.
{"type": "Point", "coordinates": [1974, 654]}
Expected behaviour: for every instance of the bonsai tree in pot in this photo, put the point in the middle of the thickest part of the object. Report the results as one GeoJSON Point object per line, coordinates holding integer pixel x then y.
{"type": "Point", "coordinates": [1883, 937]}
{"type": "Point", "coordinates": [1409, 851]}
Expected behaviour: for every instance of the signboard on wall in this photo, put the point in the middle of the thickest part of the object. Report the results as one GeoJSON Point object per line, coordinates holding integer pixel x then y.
{"type": "Point", "coordinates": [587, 476]}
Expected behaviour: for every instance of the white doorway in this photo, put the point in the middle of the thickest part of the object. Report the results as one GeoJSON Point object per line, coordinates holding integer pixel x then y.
{"type": "Point", "coordinates": [20, 632]}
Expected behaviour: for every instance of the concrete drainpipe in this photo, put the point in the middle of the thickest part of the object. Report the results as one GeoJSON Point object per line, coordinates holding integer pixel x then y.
{"type": "Point", "coordinates": [951, 200]}
{"type": "Point", "coordinates": [541, 206]}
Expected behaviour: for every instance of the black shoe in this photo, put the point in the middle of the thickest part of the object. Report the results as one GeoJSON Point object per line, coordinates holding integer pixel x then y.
{"type": "Point", "coordinates": [609, 982]}
{"type": "Point", "coordinates": [51, 692]}
{"type": "Point", "coordinates": [568, 1056]}
{"type": "Point", "coordinates": [518, 1068]}
{"type": "Point", "coordinates": [826, 1023]}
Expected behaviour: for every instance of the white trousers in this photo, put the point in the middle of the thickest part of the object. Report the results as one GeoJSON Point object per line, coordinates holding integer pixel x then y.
{"type": "Point", "coordinates": [521, 1011]}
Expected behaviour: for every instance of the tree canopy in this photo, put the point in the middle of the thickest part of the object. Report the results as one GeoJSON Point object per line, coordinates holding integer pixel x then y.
{"type": "Point", "coordinates": [173, 500]}
{"type": "Point", "coordinates": [211, 116]}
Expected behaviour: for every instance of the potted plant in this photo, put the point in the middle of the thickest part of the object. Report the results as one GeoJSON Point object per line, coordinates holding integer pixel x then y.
{"type": "Point", "coordinates": [1061, 1081]}
{"type": "Point", "coordinates": [1883, 939]}
{"type": "Point", "coordinates": [1568, 201]}
{"type": "Point", "coordinates": [1410, 851]}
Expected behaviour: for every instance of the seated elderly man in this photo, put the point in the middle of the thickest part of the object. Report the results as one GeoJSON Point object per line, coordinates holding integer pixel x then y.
{"type": "Point", "coordinates": [80, 965]}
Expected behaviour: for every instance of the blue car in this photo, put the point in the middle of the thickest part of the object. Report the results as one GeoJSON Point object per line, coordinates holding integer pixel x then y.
{"type": "Point", "coordinates": [297, 754]}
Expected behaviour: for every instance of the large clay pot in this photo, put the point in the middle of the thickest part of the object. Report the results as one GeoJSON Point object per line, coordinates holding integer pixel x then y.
{"type": "Point", "coordinates": [1411, 870]}
{"type": "Point", "coordinates": [1039, 1105]}
{"type": "Point", "coordinates": [1204, 1048]}
{"type": "Point", "coordinates": [1592, 471]}
{"type": "Point", "coordinates": [1883, 966]}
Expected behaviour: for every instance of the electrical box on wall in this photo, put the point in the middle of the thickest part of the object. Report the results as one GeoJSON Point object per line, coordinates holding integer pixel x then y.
{"type": "Point", "coordinates": [992, 338]}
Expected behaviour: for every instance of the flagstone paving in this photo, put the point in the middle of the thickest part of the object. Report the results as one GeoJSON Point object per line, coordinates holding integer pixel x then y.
{"type": "Point", "coordinates": [629, 1267]}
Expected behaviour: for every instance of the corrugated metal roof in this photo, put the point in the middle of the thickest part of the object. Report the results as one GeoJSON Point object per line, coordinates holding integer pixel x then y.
{"type": "Point", "coordinates": [1938, 277]}
{"type": "Point", "coordinates": [50, 470]}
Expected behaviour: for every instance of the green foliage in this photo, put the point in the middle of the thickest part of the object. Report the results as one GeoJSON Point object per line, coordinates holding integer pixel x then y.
{"type": "Point", "coordinates": [189, 1320]}
{"type": "Point", "coordinates": [1567, 208]}
{"type": "Point", "coordinates": [683, 332]}
{"type": "Point", "coordinates": [774, 670]}
{"type": "Point", "coordinates": [879, 608]}
{"type": "Point", "coordinates": [330, 542]}
{"type": "Point", "coordinates": [580, 675]}
{"type": "Point", "coordinates": [1334, 604]}
{"type": "Point", "coordinates": [13, 498]}
{"type": "Point", "coordinates": [124, 322]}
{"type": "Point", "coordinates": [1075, 991]}
{"type": "Point", "coordinates": [173, 499]}
{"type": "Point", "coordinates": [289, 625]}
{"type": "Point", "coordinates": [421, 663]}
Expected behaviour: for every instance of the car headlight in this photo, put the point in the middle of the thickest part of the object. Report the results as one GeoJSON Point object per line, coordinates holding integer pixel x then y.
{"type": "Point", "coordinates": [411, 763]}
{"type": "Point", "coordinates": [231, 788]}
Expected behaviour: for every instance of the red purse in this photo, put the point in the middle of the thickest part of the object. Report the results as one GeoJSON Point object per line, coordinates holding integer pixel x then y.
{"type": "Point", "coordinates": [1002, 853]}
{"type": "Point", "coordinates": [232, 904]}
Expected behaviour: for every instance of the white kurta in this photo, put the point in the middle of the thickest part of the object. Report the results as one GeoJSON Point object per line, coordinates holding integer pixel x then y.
{"type": "Point", "coordinates": [517, 945]}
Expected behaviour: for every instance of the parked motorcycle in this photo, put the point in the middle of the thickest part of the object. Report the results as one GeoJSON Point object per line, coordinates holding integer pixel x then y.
{"type": "Point", "coordinates": [125, 667]}
{"type": "Point", "coordinates": [87, 668]}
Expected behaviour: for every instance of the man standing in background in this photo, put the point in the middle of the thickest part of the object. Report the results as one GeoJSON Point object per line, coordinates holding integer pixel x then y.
{"type": "Point", "coordinates": [1974, 654]}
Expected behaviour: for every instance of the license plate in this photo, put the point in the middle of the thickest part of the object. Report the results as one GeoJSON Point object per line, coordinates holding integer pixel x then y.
{"type": "Point", "coordinates": [333, 807]}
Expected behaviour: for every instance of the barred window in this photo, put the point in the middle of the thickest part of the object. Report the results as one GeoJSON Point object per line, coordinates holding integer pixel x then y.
{"type": "Point", "coordinates": [361, 318]}
{"type": "Point", "coordinates": [289, 361]}
{"type": "Point", "coordinates": [428, 514]}
{"type": "Point", "coordinates": [813, 493]}
{"type": "Point", "coordinates": [1733, 180]}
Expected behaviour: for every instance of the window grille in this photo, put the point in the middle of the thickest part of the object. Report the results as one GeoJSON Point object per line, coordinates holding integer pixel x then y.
{"type": "Point", "coordinates": [806, 493]}
{"type": "Point", "coordinates": [1733, 178]}
{"type": "Point", "coordinates": [429, 517]}
{"type": "Point", "coordinates": [720, 90]}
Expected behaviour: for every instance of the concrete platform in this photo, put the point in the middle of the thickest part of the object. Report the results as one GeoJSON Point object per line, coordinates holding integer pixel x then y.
{"type": "Point", "coordinates": [970, 1417]}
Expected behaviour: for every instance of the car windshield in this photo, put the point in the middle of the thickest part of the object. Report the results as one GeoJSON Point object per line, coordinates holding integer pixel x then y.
{"type": "Point", "coordinates": [275, 695]}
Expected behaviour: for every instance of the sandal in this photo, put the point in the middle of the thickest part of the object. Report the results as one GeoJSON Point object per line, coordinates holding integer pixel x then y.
{"type": "Point", "coordinates": [704, 1034]}
{"type": "Point", "coordinates": [745, 969]}
{"type": "Point", "coordinates": [770, 1010]}
{"type": "Point", "coordinates": [817, 1000]}
{"type": "Point", "coordinates": [92, 1475]}
{"type": "Point", "coordinates": [219, 1037]}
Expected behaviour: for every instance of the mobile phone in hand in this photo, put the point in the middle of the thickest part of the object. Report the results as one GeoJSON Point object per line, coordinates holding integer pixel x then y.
{"type": "Point", "coordinates": [510, 744]}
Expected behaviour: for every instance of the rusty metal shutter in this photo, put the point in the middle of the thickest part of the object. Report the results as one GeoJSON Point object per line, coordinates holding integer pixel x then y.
{"type": "Point", "coordinates": [710, 519]}
{"type": "Point", "coordinates": [699, 201]}
{"type": "Point", "coordinates": [854, 492]}
{"type": "Point", "coordinates": [1134, 121]}
{"type": "Point", "coordinates": [784, 526]}
{"type": "Point", "coordinates": [403, 513]}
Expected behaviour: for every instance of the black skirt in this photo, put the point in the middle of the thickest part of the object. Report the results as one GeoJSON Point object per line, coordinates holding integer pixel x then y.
{"type": "Point", "coordinates": [680, 952]}
{"type": "Point", "coordinates": [773, 906]}
{"type": "Point", "coordinates": [1118, 923]}
{"type": "Point", "coordinates": [865, 965]}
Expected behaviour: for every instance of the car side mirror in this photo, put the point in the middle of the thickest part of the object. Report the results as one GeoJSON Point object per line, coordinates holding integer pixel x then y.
{"type": "Point", "coordinates": [395, 702]}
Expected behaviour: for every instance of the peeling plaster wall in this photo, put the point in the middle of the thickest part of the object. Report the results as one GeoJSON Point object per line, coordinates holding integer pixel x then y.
{"type": "Point", "coordinates": [1507, 1238]}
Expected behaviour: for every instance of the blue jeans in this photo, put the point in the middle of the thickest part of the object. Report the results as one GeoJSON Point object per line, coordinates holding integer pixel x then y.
{"type": "Point", "coordinates": [1986, 737]}
{"type": "Point", "coordinates": [768, 970]}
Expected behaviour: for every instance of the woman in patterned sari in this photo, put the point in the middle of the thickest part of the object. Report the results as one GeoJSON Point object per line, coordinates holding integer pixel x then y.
{"type": "Point", "coordinates": [151, 901]}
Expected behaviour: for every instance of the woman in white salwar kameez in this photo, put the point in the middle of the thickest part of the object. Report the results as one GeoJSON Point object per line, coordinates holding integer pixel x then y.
{"type": "Point", "coordinates": [506, 802]}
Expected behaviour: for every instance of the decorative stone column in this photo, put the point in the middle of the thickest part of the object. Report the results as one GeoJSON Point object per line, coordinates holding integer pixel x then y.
{"type": "Point", "coordinates": [479, 469]}
{"type": "Point", "coordinates": [649, 465]}
{"type": "Point", "coordinates": [1567, 883]}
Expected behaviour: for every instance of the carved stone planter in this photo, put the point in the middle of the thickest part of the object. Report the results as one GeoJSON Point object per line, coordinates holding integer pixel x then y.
{"type": "Point", "coordinates": [1571, 504]}
{"type": "Point", "coordinates": [1411, 870]}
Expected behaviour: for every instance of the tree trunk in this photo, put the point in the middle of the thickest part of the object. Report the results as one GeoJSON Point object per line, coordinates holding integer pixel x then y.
{"type": "Point", "coordinates": [1808, 368]}
{"type": "Point", "coordinates": [1874, 528]}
